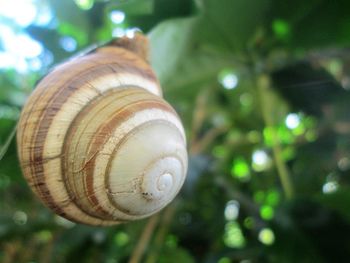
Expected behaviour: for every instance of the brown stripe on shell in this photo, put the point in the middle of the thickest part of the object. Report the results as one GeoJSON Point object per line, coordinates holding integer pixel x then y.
{"type": "Point", "coordinates": [124, 92]}
{"type": "Point", "coordinates": [46, 116]}
{"type": "Point", "coordinates": [139, 45]}
{"type": "Point", "coordinates": [116, 119]}
{"type": "Point", "coordinates": [115, 59]}
{"type": "Point", "coordinates": [112, 125]}
{"type": "Point", "coordinates": [130, 63]}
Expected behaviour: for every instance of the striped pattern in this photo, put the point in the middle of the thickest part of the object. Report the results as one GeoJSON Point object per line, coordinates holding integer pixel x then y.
{"type": "Point", "coordinates": [77, 122]}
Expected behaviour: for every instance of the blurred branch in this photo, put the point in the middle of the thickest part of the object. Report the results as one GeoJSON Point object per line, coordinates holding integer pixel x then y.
{"type": "Point", "coordinates": [163, 230]}
{"type": "Point", "coordinates": [263, 84]}
{"type": "Point", "coordinates": [342, 127]}
{"type": "Point", "coordinates": [328, 53]}
{"type": "Point", "coordinates": [235, 193]}
{"type": "Point", "coordinates": [28, 250]}
{"type": "Point", "coordinates": [199, 113]}
{"type": "Point", "coordinates": [198, 144]}
{"type": "Point", "coordinates": [7, 143]}
{"type": "Point", "coordinates": [10, 250]}
{"type": "Point", "coordinates": [46, 253]}
{"type": "Point", "coordinates": [144, 239]}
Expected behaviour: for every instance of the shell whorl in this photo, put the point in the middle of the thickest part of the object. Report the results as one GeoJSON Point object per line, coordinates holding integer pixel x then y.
{"type": "Point", "coordinates": [98, 144]}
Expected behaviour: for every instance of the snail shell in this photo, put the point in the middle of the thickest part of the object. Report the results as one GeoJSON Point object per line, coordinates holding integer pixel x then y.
{"type": "Point", "coordinates": [96, 141]}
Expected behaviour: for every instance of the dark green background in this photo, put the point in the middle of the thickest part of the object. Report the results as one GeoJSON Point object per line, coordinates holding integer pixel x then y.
{"type": "Point", "coordinates": [289, 57]}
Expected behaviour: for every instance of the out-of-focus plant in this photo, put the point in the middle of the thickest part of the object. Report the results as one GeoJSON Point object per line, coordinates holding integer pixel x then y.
{"type": "Point", "coordinates": [262, 87]}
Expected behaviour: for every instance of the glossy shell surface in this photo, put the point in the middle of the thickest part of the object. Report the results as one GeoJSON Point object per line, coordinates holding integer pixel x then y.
{"type": "Point", "coordinates": [97, 142]}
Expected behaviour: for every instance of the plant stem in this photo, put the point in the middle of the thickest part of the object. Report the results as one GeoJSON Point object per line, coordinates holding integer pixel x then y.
{"type": "Point", "coordinates": [4, 148]}
{"type": "Point", "coordinates": [267, 107]}
{"type": "Point", "coordinates": [144, 239]}
{"type": "Point", "coordinates": [167, 217]}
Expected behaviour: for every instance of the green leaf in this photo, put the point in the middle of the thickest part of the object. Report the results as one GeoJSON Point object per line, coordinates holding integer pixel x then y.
{"type": "Point", "coordinates": [73, 31]}
{"type": "Point", "coordinates": [310, 24]}
{"type": "Point", "coordinates": [169, 42]}
{"type": "Point", "coordinates": [5, 146]}
{"type": "Point", "coordinates": [135, 7]}
{"type": "Point", "coordinates": [67, 12]}
{"type": "Point", "coordinates": [229, 25]}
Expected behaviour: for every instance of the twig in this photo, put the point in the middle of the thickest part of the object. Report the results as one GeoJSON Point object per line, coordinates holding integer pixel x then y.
{"type": "Point", "coordinates": [11, 250]}
{"type": "Point", "coordinates": [27, 250]}
{"type": "Point", "coordinates": [144, 239]}
{"type": "Point", "coordinates": [199, 145]}
{"type": "Point", "coordinates": [7, 143]}
{"type": "Point", "coordinates": [46, 253]}
{"type": "Point", "coordinates": [163, 230]}
{"type": "Point", "coordinates": [199, 113]}
{"type": "Point", "coordinates": [235, 193]}
{"type": "Point", "coordinates": [263, 83]}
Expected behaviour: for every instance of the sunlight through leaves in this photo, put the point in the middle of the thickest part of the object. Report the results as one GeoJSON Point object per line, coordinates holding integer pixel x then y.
{"type": "Point", "coordinates": [228, 79]}
{"type": "Point", "coordinates": [240, 169]}
{"type": "Point", "coordinates": [266, 236]}
{"type": "Point", "coordinates": [233, 235]}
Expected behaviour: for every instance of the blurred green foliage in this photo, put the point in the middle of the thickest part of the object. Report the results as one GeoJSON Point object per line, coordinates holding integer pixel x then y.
{"type": "Point", "coordinates": [262, 88]}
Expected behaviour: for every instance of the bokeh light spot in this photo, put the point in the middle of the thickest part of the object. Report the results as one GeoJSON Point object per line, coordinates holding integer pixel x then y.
{"type": "Point", "coordinates": [35, 64]}
{"type": "Point", "coordinates": [118, 32]}
{"type": "Point", "coordinates": [26, 46]}
{"type": "Point", "coordinates": [231, 210]}
{"type": "Point", "coordinates": [69, 44]}
{"type": "Point", "coordinates": [99, 237]}
{"type": "Point", "coordinates": [266, 236]}
{"type": "Point", "coordinates": [44, 16]}
{"type": "Point", "coordinates": [22, 12]}
{"type": "Point", "coordinates": [281, 28]}
{"type": "Point", "coordinates": [261, 161]}
{"type": "Point", "coordinates": [117, 17]}
{"type": "Point", "coordinates": [121, 239]}
{"type": "Point", "coordinates": [335, 67]}
{"type": "Point", "coordinates": [17, 49]}
{"type": "Point", "coordinates": [171, 241]}
{"type": "Point", "coordinates": [6, 60]}
{"type": "Point", "coordinates": [330, 187]}
{"type": "Point", "coordinates": [130, 32]}
{"type": "Point", "coordinates": [233, 235]}
{"type": "Point", "coordinates": [344, 164]}
{"type": "Point", "coordinates": [266, 212]}
{"type": "Point", "coordinates": [273, 198]}
{"type": "Point", "coordinates": [84, 4]}
{"type": "Point", "coordinates": [249, 222]}
{"type": "Point", "coordinates": [292, 120]}
{"type": "Point", "coordinates": [240, 169]}
{"type": "Point", "coordinates": [20, 218]}
{"type": "Point", "coordinates": [220, 151]}
{"type": "Point", "coordinates": [44, 236]}
{"type": "Point", "coordinates": [260, 157]}
{"type": "Point", "coordinates": [228, 79]}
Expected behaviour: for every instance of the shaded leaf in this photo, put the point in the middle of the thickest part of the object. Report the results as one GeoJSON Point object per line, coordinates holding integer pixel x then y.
{"type": "Point", "coordinates": [169, 42]}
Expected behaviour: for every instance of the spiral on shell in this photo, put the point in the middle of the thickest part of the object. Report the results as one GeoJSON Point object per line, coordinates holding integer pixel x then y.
{"type": "Point", "coordinates": [96, 141]}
